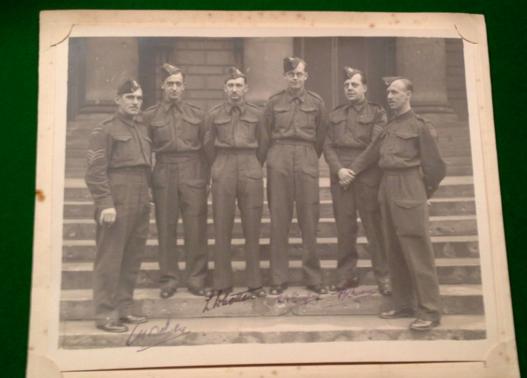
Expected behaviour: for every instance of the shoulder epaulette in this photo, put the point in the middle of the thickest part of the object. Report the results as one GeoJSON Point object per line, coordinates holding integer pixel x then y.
{"type": "Point", "coordinates": [277, 94]}
{"type": "Point", "coordinates": [258, 108]}
{"type": "Point", "coordinates": [422, 119]}
{"type": "Point", "coordinates": [338, 107]}
{"type": "Point", "coordinates": [375, 105]}
{"type": "Point", "coordinates": [151, 108]}
{"type": "Point", "coordinates": [107, 121]}
{"type": "Point", "coordinates": [252, 105]}
{"type": "Point", "coordinates": [316, 95]}
{"type": "Point", "coordinates": [195, 107]}
{"type": "Point", "coordinates": [216, 107]}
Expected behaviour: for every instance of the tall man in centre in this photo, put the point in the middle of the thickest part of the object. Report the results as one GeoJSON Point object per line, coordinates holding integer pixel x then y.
{"type": "Point", "coordinates": [180, 179]}
{"type": "Point", "coordinates": [295, 120]}
{"type": "Point", "coordinates": [236, 146]}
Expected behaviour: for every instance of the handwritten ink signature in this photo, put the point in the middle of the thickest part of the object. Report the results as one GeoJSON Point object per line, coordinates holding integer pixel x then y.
{"type": "Point", "coordinates": [355, 293]}
{"type": "Point", "coordinates": [226, 299]}
{"type": "Point", "coordinates": [295, 298]}
{"type": "Point", "coordinates": [155, 335]}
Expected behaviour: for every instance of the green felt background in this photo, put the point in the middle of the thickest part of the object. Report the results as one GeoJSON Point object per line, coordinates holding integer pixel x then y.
{"type": "Point", "coordinates": [506, 28]}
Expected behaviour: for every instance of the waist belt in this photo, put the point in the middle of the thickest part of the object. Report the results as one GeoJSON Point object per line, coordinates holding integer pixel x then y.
{"type": "Point", "coordinates": [174, 157]}
{"type": "Point", "coordinates": [294, 142]}
{"type": "Point", "coordinates": [135, 169]}
{"type": "Point", "coordinates": [237, 151]}
{"type": "Point", "coordinates": [402, 171]}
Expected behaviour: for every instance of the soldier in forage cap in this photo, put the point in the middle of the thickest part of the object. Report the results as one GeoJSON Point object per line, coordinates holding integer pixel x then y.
{"type": "Point", "coordinates": [412, 169]}
{"type": "Point", "coordinates": [295, 120]}
{"type": "Point", "coordinates": [118, 178]}
{"type": "Point", "coordinates": [236, 145]}
{"type": "Point", "coordinates": [180, 179]}
{"type": "Point", "coordinates": [353, 126]}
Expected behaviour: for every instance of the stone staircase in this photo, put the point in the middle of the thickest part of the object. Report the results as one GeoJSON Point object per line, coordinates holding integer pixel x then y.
{"type": "Point", "coordinates": [297, 315]}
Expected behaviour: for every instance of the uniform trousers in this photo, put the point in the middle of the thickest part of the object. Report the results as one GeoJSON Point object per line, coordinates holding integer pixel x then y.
{"type": "Point", "coordinates": [237, 176]}
{"type": "Point", "coordinates": [120, 246]}
{"type": "Point", "coordinates": [409, 249]}
{"type": "Point", "coordinates": [180, 187]}
{"type": "Point", "coordinates": [292, 168]}
{"type": "Point", "coordinates": [360, 198]}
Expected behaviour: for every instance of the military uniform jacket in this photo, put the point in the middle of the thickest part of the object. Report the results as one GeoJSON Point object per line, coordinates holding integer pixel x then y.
{"type": "Point", "coordinates": [299, 116]}
{"type": "Point", "coordinates": [236, 127]}
{"type": "Point", "coordinates": [118, 142]}
{"type": "Point", "coordinates": [408, 141]}
{"type": "Point", "coordinates": [352, 128]}
{"type": "Point", "coordinates": [175, 127]}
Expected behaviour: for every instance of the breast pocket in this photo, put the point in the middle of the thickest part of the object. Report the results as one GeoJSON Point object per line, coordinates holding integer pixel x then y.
{"type": "Point", "coordinates": [223, 131]}
{"type": "Point", "coordinates": [307, 119]}
{"type": "Point", "coordinates": [190, 126]}
{"type": "Point", "coordinates": [161, 132]}
{"type": "Point", "coordinates": [123, 148]}
{"type": "Point", "coordinates": [247, 129]}
{"type": "Point", "coordinates": [364, 128]}
{"type": "Point", "coordinates": [407, 144]}
{"type": "Point", "coordinates": [338, 128]}
{"type": "Point", "coordinates": [282, 117]}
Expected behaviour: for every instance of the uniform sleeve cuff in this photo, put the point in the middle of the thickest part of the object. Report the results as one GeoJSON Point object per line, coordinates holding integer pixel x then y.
{"type": "Point", "coordinates": [106, 203]}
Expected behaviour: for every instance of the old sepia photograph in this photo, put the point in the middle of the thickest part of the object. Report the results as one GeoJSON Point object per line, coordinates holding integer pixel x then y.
{"type": "Point", "coordinates": [268, 191]}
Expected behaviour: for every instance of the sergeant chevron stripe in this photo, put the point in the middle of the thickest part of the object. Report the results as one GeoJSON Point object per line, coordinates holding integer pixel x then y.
{"type": "Point", "coordinates": [94, 155]}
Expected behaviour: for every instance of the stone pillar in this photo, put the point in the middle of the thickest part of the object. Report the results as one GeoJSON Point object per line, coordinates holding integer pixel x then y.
{"type": "Point", "coordinates": [262, 61]}
{"type": "Point", "coordinates": [423, 61]}
{"type": "Point", "coordinates": [109, 61]}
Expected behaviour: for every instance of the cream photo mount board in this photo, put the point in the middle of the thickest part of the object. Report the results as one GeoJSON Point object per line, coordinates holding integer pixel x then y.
{"type": "Point", "coordinates": [477, 334]}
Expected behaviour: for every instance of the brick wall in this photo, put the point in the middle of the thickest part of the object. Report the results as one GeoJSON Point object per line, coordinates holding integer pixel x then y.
{"type": "Point", "coordinates": [204, 60]}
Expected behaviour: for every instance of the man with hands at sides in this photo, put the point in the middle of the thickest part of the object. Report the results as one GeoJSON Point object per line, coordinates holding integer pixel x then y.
{"type": "Point", "coordinates": [118, 178]}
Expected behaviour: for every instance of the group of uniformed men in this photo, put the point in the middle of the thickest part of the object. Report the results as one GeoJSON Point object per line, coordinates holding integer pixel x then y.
{"type": "Point", "coordinates": [383, 170]}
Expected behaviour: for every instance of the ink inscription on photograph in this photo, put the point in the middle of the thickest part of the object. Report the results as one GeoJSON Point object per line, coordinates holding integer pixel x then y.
{"type": "Point", "coordinates": [267, 190]}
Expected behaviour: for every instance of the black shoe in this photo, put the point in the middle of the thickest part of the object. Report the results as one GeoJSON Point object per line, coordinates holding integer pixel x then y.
{"type": "Point", "coordinates": [113, 326]}
{"type": "Point", "coordinates": [167, 291]}
{"type": "Point", "coordinates": [257, 293]}
{"type": "Point", "coordinates": [345, 285]}
{"type": "Point", "coordinates": [277, 289]}
{"type": "Point", "coordinates": [423, 325]}
{"type": "Point", "coordinates": [200, 291]}
{"type": "Point", "coordinates": [384, 287]}
{"type": "Point", "coordinates": [133, 319]}
{"type": "Point", "coordinates": [319, 289]}
{"type": "Point", "coordinates": [397, 314]}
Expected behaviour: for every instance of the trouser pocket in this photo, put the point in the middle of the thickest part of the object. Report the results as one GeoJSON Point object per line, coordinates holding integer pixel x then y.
{"type": "Point", "coordinates": [410, 217]}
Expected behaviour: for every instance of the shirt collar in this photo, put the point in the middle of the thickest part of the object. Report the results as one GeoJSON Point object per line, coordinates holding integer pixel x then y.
{"type": "Point", "coordinates": [404, 116]}
{"type": "Point", "coordinates": [229, 107]}
{"type": "Point", "coordinates": [358, 106]}
{"type": "Point", "coordinates": [167, 105]}
{"type": "Point", "coordinates": [126, 120]}
{"type": "Point", "coordinates": [300, 95]}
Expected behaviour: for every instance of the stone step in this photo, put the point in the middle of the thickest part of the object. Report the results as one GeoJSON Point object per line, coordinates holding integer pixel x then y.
{"type": "Point", "coordinates": [451, 186]}
{"type": "Point", "coordinates": [444, 247]}
{"type": "Point", "coordinates": [364, 300]}
{"type": "Point", "coordinates": [439, 206]}
{"type": "Point", "coordinates": [78, 275]}
{"type": "Point", "coordinates": [266, 330]}
{"type": "Point", "coordinates": [439, 225]}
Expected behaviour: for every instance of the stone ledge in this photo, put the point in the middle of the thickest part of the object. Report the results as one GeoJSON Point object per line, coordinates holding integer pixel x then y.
{"type": "Point", "coordinates": [84, 335]}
